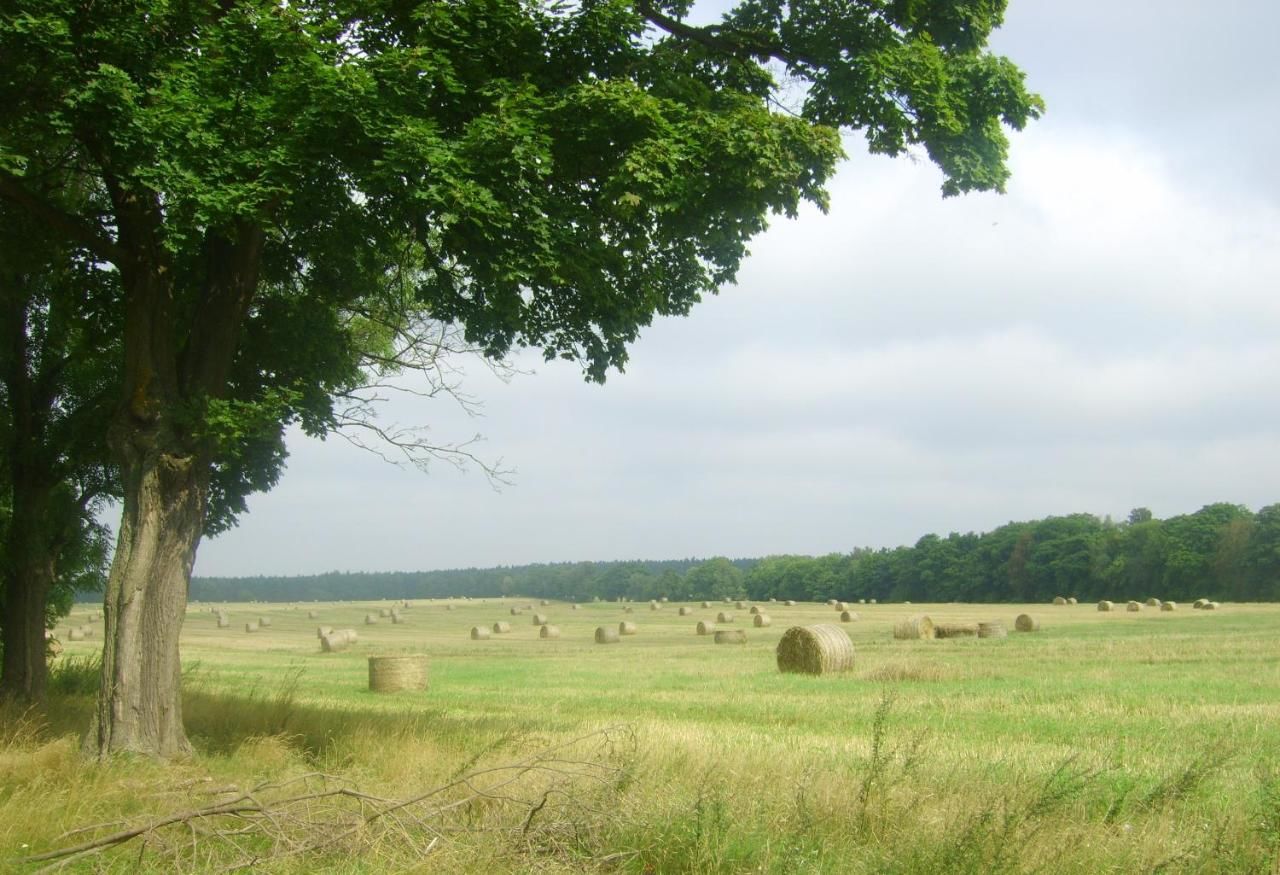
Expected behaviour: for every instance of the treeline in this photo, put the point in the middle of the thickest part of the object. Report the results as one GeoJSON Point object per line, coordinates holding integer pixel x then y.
{"type": "Point", "coordinates": [1222, 551]}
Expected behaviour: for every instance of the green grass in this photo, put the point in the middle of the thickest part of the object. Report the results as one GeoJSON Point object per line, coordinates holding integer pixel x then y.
{"type": "Point", "coordinates": [1121, 742]}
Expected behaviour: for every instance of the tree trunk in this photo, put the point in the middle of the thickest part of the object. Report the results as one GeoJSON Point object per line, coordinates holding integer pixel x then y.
{"type": "Point", "coordinates": [139, 708]}
{"type": "Point", "coordinates": [25, 672]}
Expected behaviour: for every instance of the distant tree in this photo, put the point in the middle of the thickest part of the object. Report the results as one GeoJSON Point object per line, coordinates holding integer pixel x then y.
{"type": "Point", "coordinates": [715, 579]}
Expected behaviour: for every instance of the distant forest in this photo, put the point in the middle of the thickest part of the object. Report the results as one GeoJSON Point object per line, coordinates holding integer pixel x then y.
{"type": "Point", "coordinates": [1222, 551]}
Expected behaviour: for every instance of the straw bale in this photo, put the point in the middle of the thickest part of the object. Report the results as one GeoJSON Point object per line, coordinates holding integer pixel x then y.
{"type": "Point", "coordinates": [322, 631]}
{"type": "Point", "coordinates": [1026, 623]}
{"type": "Point", "coordinates": [264, 622]}
{"type": "Point", "coordinates": [549, 631]}
{"type": "Point", "coordinates": [370, 619]}
{"type": "Point", "coordinates": [791, 603]}
{"type": "Point", "coordinates": [724, 617]}
{"type": "Point", "coordinates": [741, 606]}
{"type": "Point", "coordinates": [628, 610]}
{"type": "Point", "coordinates": [384, 613]}
{"type": "Point", "coordinates": [1153, 603]}
{"type": "Point", "coordinates": [862, 601]}
{"type": "Point", "coordinates": [311, 615]}
{"type": "Point", "coordinates": [607, 635]}
{"type": "Point", "coordinates": [626, 627]}
{"type": "Point", "coordinates": [573, 607]}
{"type": "Point", "coordinates": [333, 643]}
{"type": "Point", "coordinates": [823, 648]}
{"type": "Point", "coordinates": [539, 619]}
{"type": "Point", "coordinates": [1071, 600]}
{"type": "Point", "coordinates": [831, 603]}
{"type": "Point", "coordinates": [1133, 606]}
{"type": "Point", "coordinates": [841, 606]}
{"type": "Point", "coordinates": [1059, 600]}
{"type": "Point", "coordinates": [479, 633]}
{"type": "Point", "coordinates": [912, 628]}
{"type": "Point", "coordinates": [685, 610]}
{"type": "Point", "coordinates": [251, 627]}
{"type": "Point", "coordinates": [731, 636]}
{"type": "Point", "coordinates": [706, 604]}
{"type": "Point", "coordinates": [663, 599]}
{"type": "Point", "coordinates": [755, 609]}
{"type": "Point", "coordinates": [395, 674]}
{"type": "Point", "coordinates": [1210, 606]}
{"type": "Point", "coordinates": [223, 621]}
{"type": "Point", "coordinates": [515, 612]}
{"type": "Point", "coordinates": [1168, 606]}
{"type": "Point", "coordinates": [350, 635]}
{"type": "Point", "coordinates": [501, 626]}
{"type": "Point", "coordinates": [654, 606]}
{"type": "Point", "coordinates": [847, 616]}
{"type": "Point", "coordinates": [1199, 604]}
{"type": "Point", "coordinates": [396, 618]}
{"type": "Point", "coordinates": [1105, 605]}
{"type": "Point", "coordinates": [705, 628]}
{"type": "Point", "coordinates": [762, 620]}
{"type": "Point", "coordinates": [544, 603]}
{"type": "Point", "coordinates": [992, 629]}
{"type": "Point", "coordinates": [955, 630]}
{"type": "Point", "coordinates": [871, 601]}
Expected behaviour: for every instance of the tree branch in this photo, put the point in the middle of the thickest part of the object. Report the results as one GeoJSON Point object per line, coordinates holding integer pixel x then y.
{"type": "Point", "coordinates": [73, 226]}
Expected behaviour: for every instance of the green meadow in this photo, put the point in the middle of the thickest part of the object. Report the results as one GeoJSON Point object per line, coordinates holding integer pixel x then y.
{"type": "Point", "coordinates": [1123, 742]}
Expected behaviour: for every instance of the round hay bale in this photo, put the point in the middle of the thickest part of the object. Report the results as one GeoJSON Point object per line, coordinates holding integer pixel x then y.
{"type": "Point", "coordinates": [705, 628]}
{"type": "Point", "coordinates": [1071, 600]}
{"type": "Point", "coordinates": [251, 627]}
{"type": "Point", "coordinates": [544, 603]}
{"type": "Point", "coordinates": [76, 635]}
{"type": "Point", "coordinates": [223, 622]}
{"type": "Point", "coordinates": [741, 606]}
{"type": "Point", "coordinates": [501, 627]}
{"type": "Point", "coordinates": [549, 631]}
{"type": "Point", "coordinates": [871, 601]}
{"type": "Point", "coordinates": [831, 603]}
{"type": "Point", "coordinates": [1199, 604]}
{"type": "Point", "coordinates": [731, 636]}
{"type": "Point", "coordinates": [1210, 606]}
{"type": "Point", "coordinates": [955, 630]}
{"type": "Point", "coordinates": [333, 643]}
{"type": "Point", "coordinates": [685, 610]}
{"type": "Point", "coordinates": [862, 601]}
{"type": "Point", "coordinates": [1026, 623]}
{"type": "Point", "coordinates": [383, 613]}
{"type": "Point", "coordinates": [706, 604]}
{"type": "Point", "coordinates": [322, 631]}
{"type": "Point", "coordinates": [823, 648]}
{"type": "Point", "coordinates": [515, 612]}
{"type": "Point", "coordinates": [626, 627]}
{"type": "Point", "coordinates": [992, 629]}
{"type": "Point", "coordinates": [480, 633]}
{"type": "Point", "coordinates": [1059, 600]}
{"type": "Point", "coordinates": [663, 600]}
{"type": "Point", "coordinates": [539, 619]}
{"type": "Point", "coordinates": [1168, 606]}
{"type": "Point", "coordinates": [791, 603]}
{"type": "Point", "coordinates": [1153, 603]}
{"type": "Point", "coordinates": [311, 615]}
{"type": "Point", "coordinates": [755, 609]}
{"type": "Point", "coordinates": [264, 622]}
{"type": "Point", "coordinates": [847, 616]}
{"type": "Point", "coordinates": [607, 635]}
{"type": "Point", "coordinates": [395, 674]}
{"type": "Point", "coordinates": [1133, 606]}
{"type": "Point", "coordinates": [914, 628]}
{"type": "Point", "coordinates": [722, 617]}
{"type": "Point", "coordinates": [762, 620]}
{"type": "Point", "coordinates": [628, 610]}
{"type": "Point", "coordinates": [653, 605]}
{"type": "Point", "coordinates": [448, 607]}
{"type": "Point", "coordinates": [1105, 606]}
{"type": "Point", "coordinates": [573, 607]}
{"type": "Point", "coordinates": [370, 619]}
{"type": "Point", "coordinates": [841, 606]}
{"type": "Point", "coordinates": [396, 619]}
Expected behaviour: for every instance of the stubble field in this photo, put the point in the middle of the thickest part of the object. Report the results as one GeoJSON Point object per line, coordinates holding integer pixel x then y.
{"type": "Point", "coordinates": [1123, 742]}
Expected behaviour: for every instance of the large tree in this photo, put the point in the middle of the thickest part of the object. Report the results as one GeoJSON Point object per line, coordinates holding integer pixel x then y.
{"type": "Point", "coordinates": [544, 174]}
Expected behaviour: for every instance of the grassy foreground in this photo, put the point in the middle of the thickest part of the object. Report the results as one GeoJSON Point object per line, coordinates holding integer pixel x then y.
{"type": "Point", "coordinates": [1122, 742]}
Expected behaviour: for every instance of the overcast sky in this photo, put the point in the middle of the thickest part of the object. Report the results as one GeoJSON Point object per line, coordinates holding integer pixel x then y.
{"type": "Point", "coordinates": [1104, 336]}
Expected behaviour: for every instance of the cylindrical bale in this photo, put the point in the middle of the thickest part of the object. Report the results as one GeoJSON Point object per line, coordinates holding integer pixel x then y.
{"type": "Point", "coordinates": [841, 606]}
{"type": "Point", "coordinates": [573, 607]}
{"type": "Point", "coordinates": [1133, 606]}
{"type": "Point", "coordinates": [741, 606]}
{"type": "Point", "coordinates": [396, 618]}
{"type": "Point", "coordinates": [311, 615]}
{"type": "Point", "coordinates": [395, 674]}
{"type": "Point", "coordinates": [831, 603]}
{"type": "Point", "coordinates": [723, 617]}
{"type": "Point", "coordinates": [370, 619]}
{"type": "Point", "coordinates": [1071, 600]}
{"type": "Point", "coordinates": [544, 603]}
{"type": "Point", "coordinates": [1168, 606]}
{"type": "Point", "coordinates": [955, 630]}
{"type": "Point", "coordinates": [823, 648]}
{"type": "Point", "coordinates": [501, 626]}
{"type": "Point", "coordinates": [1199, 604]}
{"type": "Point", "coordinates": [1153, 602]}
{"type": "Point", "coordinates": [322, 631]}
{"type": "Point", "coordinates": [755, 609]}
{"type": "Point", "coordinates": [539, 619]}
{"type": "Point", "coordinates": [251, 627]}
{"type": "Point", "coordinates": [919, 626]}
{"type": "Point", "coordinates": [1105, 606]}
{"type": "Point", "coordinates": [628, 609]}
{"type": "Point", "coordinates": [762, 620]}
{"type": "Point", "coordinates": [653, 606]}
{"type": "Point", "coordinates": [264, 622]}
{"type": "Point", "coordinates": [607, 635]}
{"type": "Point", "coordinates": [626, 627]}
{"type": "Point", "coordinates": [685, 610]}
{"type": "Point", "coordinates": [1026, 623]}
{"type": "Point", "coordinates": [76, 635]}
{"type": "Point", "coordinates": [992, 629]}
{"type": "Point", "coordinates": [847, 616]}
{"type": "Point", "coordinates": [384, 613]}
{"type": "Point", "coordinates": [791, 603]}
{"type": "Point", "coordinates": [223, 622]}
{"type": "Point", "coordinates": [1210, 606]}
{"type": "Point", "coordinates": [515, 612]}
{"type": "Point", "coordinates": [479, 633]}
{"type": "Point", "coordinates": [731, 636]}
{"type": "Point", "coordinates": [663, 599]}
{"type": "Point", "coordinates": [549, 631]}
{"type": "Point", "coordinates": [333, 643]}
{"type": "Point", "coordinates": [350, 634]}
{"type": "Point", "coordinates": [871, 601]}
{"type": "Point", "coordinates": [706, 604]}
{"type": "Point", "coordinates": [705, 628]}
{"type": "Point", "coordinates": [1059, 600]}
{"type": "Point", "coordinates": [862, 601]}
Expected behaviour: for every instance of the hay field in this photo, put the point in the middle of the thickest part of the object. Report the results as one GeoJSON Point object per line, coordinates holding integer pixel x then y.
{"type": "Point", "coordinates": [1104, 742]}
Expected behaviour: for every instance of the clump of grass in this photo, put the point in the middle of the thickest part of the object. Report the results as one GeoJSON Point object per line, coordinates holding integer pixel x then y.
{"type": "Point", "coordinates": [76, 675]}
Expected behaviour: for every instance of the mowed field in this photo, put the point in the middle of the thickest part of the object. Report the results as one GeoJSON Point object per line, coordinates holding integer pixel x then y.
{"type": "Point", "coordinates": [1105, 742]}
